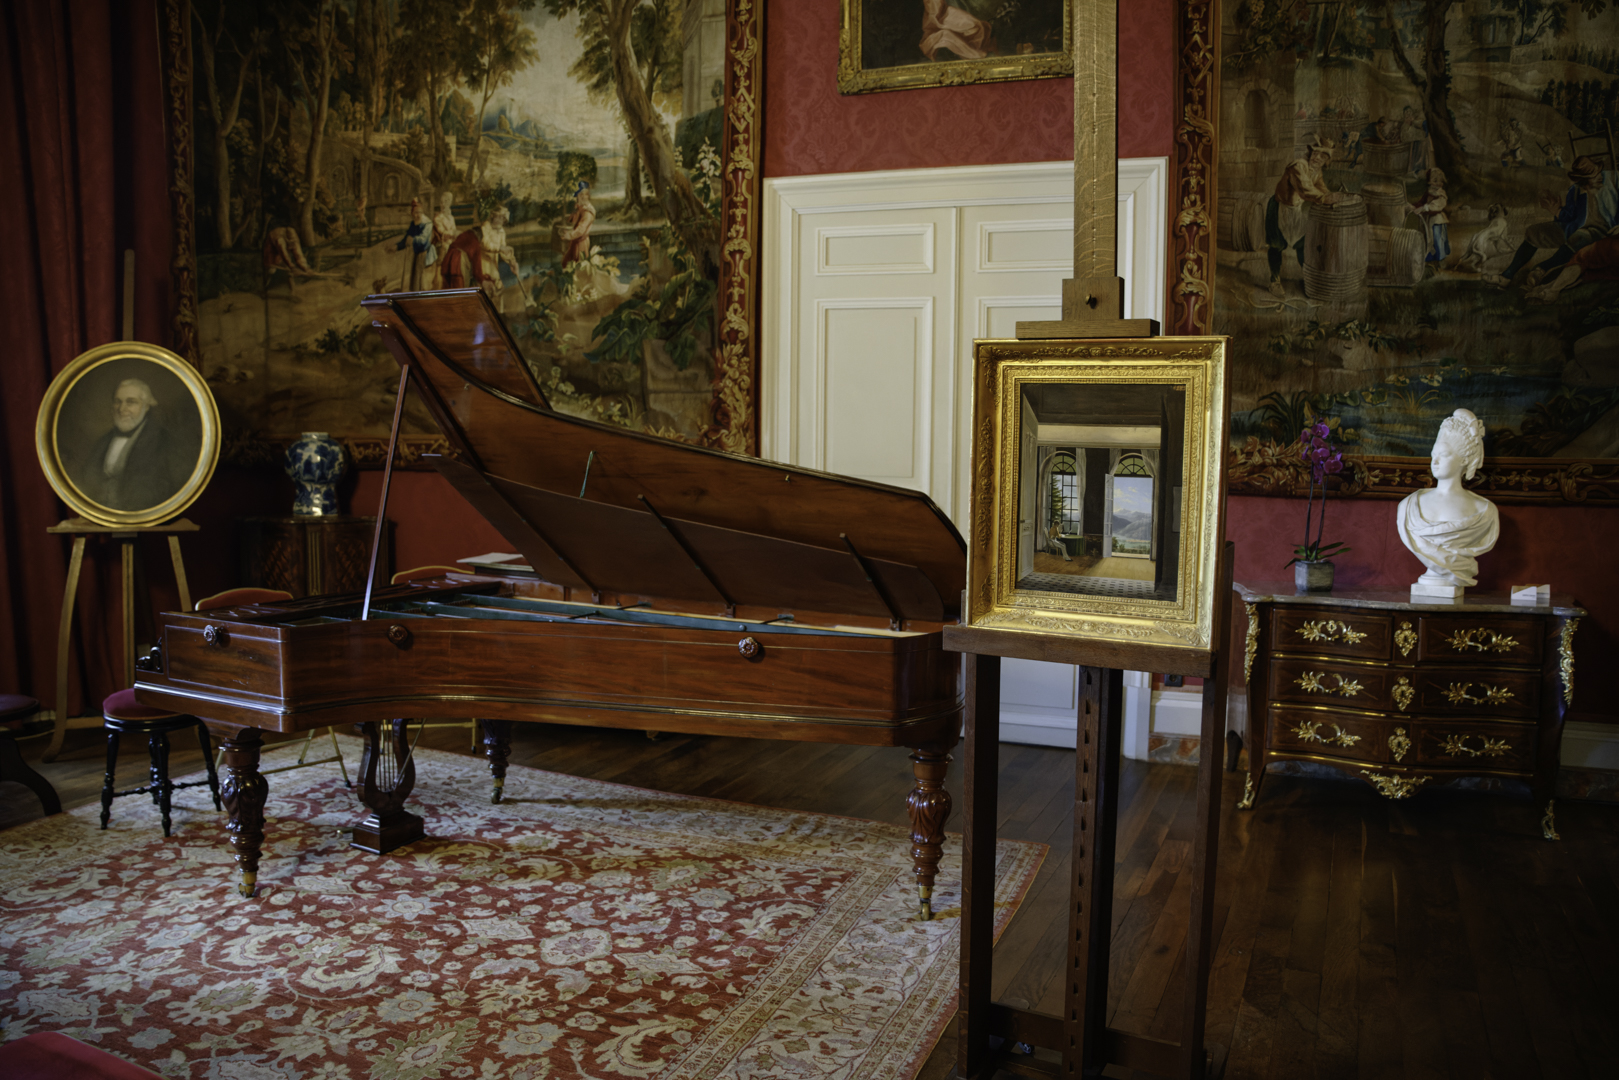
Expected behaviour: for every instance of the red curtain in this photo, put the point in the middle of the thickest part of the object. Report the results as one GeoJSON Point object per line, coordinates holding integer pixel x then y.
{"type": "Point", "coordinates": [83, 174]}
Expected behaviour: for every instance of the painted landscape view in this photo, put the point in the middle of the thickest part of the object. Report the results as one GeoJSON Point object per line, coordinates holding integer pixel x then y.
{"type": "Point", "coordinates": [562, 155]}
{"type": "Point", "coordinates": [1414, 212]}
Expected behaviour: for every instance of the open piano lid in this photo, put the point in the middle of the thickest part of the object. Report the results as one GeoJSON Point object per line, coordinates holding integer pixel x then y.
{"type": "Point", "coordinates": [601, 508]}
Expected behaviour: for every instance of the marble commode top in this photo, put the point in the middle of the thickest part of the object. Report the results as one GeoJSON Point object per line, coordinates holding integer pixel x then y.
{"type": "Point", "coordinates": [1282, 592]}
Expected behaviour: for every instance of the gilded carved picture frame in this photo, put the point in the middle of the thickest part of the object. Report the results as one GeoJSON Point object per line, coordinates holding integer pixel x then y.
{"type": "Point", "coordinates": [624, 255]}
{"type": "Point", "coordinates": [1013, 583]}
{"type": "Point", "coordinates": [128, 435]}
{"type": "Point", "coordinates": [1462, 320]}
{"type": "Point", "coordinates": [888, 45]}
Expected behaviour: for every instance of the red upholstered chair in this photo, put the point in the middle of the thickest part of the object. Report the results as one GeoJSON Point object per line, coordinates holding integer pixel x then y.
{"type": "Point", "coordinates": [15, 709]}
{"type": "Point", "coordinates": [427, 573]}
{"type": "Point", "coordinates": [424, 573]}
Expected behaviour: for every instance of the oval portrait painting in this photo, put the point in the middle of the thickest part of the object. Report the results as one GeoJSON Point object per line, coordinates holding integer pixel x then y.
{"type": "Point", "coordinates": [128, 434]}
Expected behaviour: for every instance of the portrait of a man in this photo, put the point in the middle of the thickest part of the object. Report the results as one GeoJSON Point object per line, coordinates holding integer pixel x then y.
{"type": "Point", "coordinates": [130, 434]}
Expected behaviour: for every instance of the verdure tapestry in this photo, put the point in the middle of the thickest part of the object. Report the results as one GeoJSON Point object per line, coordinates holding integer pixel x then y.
{"type": "Point", "coordinates": [1413, 214]}
{"type": "Point", "coordinates": [590, 164]}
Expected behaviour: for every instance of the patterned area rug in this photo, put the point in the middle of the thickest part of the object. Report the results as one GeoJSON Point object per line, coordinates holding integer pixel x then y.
{"type": "Point", "coordinates": [581, 929]}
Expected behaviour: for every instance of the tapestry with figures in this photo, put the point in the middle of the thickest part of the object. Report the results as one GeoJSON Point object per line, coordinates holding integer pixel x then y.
{"type": "Point", "coordinates": [1414, 211]}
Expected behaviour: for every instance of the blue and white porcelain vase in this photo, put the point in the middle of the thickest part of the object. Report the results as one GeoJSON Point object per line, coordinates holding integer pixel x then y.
{"type": "Point", "coordinates": [316, 463]}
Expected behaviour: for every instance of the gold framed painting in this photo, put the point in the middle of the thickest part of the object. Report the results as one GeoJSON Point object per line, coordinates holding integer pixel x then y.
{"type": "Point", "coordinates": [1098, 473]}
{"type": "Point", "coordinates": [893, 45]}
{"type": "Point", "coordinates": [128, 434]}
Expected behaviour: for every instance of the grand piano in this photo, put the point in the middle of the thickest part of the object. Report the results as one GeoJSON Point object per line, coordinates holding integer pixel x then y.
{"type": "Point", "coordinates": [673, 588]}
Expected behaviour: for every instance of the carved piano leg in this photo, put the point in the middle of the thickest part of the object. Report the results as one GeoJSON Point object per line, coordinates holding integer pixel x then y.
{"type": "Point", "coordinates": [497, 747]}
{"type": "Point", "coordinates": [929, 804]}
{"type": "Point", "coordinates": [388, 774]}
{"type": "Point", "coordinates": [244, 792]}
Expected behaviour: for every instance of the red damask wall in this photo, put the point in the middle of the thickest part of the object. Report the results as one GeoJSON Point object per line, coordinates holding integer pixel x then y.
{"type": "Point", "coordinates": [810, 128]}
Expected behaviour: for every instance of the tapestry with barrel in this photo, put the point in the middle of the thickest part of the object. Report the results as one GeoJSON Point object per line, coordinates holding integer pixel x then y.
{"type": "Point", "coordinates": [1414, 206]}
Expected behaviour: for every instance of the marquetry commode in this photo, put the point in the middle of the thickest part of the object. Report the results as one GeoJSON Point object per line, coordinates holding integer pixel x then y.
{"type": "Point", "coordinates": [1404, 694]}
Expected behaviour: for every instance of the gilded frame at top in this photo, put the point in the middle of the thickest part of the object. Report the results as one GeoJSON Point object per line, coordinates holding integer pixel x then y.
{"type": "Point", "coordinates": [134, 360]}
{"type": "Point", "coordinates": [855, 78]}
{"type": "Point", "coordinates": [1194, 223]}
{"type": "Point", "coordinates": [994, 598]}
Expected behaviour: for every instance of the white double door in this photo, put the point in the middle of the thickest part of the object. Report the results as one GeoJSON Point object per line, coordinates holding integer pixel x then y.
{"type": "Point", "coordinates": [875, 286]}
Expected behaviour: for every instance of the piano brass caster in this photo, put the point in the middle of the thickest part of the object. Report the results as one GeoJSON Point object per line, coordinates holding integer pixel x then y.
{"type": "Point", "coordinates": [926, 897]}
{"type": "Point", "coordinates": [500, 786]}
{"type": "Point", "coordinates": [1548, 824]}
{"type": "Point", "coordinates": [399, 635]}
{"type": "Point", "coordinates": [750, 648]}
{"type": "Point", "coordinates": [215, 635]}
{"type": "Point", "coordinates": [247, 886]}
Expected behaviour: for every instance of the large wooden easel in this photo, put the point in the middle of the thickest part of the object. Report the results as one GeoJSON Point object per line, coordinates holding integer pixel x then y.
{"type": "Point", "coordinates": [1093, 307]}
{"type": "Point", "coordinates": [1081, 1034]}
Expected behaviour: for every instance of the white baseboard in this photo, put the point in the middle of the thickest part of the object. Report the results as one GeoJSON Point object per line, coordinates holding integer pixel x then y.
{"type": "Point", "coordinates": [1177, 713]}
{"type": "Point", "coordinates": [1591, 746]}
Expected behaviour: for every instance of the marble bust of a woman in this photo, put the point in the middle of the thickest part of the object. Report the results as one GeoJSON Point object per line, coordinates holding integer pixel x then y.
{"type": "Point", "coordinates": [1447, 526]}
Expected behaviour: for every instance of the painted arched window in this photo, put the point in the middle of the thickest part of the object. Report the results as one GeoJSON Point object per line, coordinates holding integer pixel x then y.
{"type": "Point", "coordinates": [1065, 509]}
{"type": "Point", "coordinates": [1132, 465]}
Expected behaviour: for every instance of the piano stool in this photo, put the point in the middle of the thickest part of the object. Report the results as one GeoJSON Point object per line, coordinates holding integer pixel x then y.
{"type": "Point", "coordinates": [50, 1055]}
{"type": "Point", "coordinates": [123, 715]}
{"type": "Point", "coordinates": [15, 710]}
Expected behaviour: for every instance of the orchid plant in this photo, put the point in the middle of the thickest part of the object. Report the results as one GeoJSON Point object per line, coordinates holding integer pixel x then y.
{"type": "Point", "coordinates": [1324, 460]}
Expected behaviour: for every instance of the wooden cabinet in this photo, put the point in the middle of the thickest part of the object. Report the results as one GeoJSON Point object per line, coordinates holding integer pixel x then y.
{"type": "Point", "coordinates": [1404, 695]}
{"type": "Point", "coordinates": [310, 556]}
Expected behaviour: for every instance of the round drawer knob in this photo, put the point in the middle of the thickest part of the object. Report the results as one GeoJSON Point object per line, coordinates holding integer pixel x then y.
{"type": "Point", "coordinates": [750, 647]}
{"type": "Point", "coordinates": [215, 635]}
{"type": "Point", "coordinates": [398, 635]}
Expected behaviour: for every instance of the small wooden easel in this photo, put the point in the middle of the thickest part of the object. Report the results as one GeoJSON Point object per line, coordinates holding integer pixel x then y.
{"type": "Point", "coordinates": [81, 529]}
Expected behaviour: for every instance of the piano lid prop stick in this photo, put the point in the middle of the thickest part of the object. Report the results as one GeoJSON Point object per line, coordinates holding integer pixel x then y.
{"type": "Point", "coordinates": [894, 621]}
{"type": "Point", "coordinates": [586, 482]}
{"type": "Point", "coordinates": [730, 605]}
{"type": "Point", "coordinates": [387, 478]}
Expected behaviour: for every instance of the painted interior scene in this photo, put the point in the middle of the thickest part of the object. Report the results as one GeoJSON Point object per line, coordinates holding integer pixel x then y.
{"type": "Point", "coordinates": [563, 156]}
{"type": "Point", "coordinates": [1099, 489]}
{"type": "Point", "coordinates": [1415, 205]}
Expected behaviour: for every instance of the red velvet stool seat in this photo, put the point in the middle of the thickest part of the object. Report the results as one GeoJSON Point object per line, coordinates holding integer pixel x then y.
{"type": "Point", "coordinates": [15, 710]}
{"type": "Point", "coordinates": [122, 715]}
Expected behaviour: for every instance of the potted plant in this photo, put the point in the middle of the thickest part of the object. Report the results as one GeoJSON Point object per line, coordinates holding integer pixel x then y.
{"type": "Point", "coordinates": [1312, 560]}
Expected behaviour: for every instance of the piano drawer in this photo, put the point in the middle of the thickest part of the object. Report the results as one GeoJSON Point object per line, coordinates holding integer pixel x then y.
{"type": "Point", "coordinates": [1331, 632]}
{"type": "Point", "coordinates": [241, 657]}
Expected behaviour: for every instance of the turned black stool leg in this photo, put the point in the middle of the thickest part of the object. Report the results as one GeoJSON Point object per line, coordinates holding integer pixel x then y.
{"type": "Point", "coordinates": [208, 759]}
{"type": "Point", "coordinates": [107, 785]}
{"type": "Point", "coordinates": [162, 790]}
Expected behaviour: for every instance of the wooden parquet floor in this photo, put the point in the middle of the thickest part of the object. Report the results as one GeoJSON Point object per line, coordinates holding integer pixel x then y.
{"type": "Point", "coordinates": [1356, 937]}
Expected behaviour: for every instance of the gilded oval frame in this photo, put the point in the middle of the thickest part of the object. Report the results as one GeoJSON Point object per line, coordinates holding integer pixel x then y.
{"type": "Point", "coordinates": [48, 433]}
